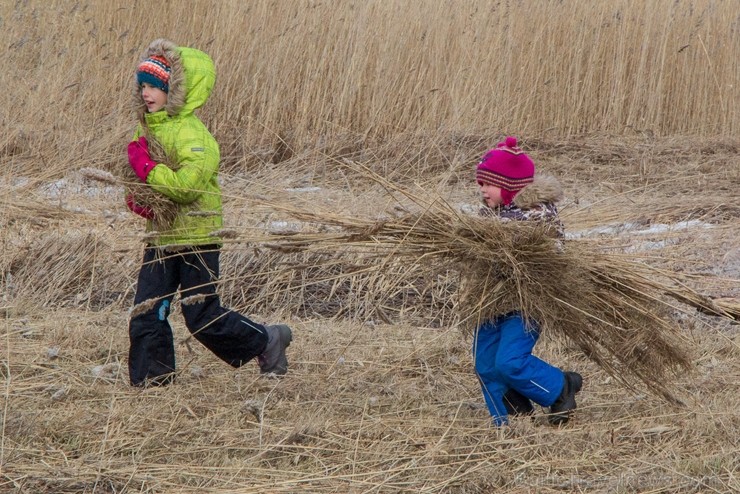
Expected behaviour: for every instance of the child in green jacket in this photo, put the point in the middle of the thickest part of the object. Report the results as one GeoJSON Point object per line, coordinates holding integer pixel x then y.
{"type": "Point", "coordinates": [171, 83]}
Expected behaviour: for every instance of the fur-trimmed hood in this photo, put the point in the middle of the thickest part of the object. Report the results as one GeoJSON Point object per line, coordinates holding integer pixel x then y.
{"type": "Point", "coordinates": [192, 77]}
{"type": "Point", "coordinates": [545, 189]}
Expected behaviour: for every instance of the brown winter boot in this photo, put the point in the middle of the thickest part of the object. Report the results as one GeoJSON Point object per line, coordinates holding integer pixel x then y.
{"type": "Point", "coordinates": [273, 359]}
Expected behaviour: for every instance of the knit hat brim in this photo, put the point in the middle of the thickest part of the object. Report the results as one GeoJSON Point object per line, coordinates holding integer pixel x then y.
{"type": "Point", "coordinates": [146, 77]}
{"type": "Point", "coordinates": [155, 70]}
{"type": "Point", "coordinates": [489, 177]}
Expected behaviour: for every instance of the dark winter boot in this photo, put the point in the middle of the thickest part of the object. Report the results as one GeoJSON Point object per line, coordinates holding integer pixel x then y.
{"type": "Point", "coordinates": [273, 359]}
{"type": "Point", "coordinates": [560, 410]}
{"type": "Point", "coordinates": [517, 404]}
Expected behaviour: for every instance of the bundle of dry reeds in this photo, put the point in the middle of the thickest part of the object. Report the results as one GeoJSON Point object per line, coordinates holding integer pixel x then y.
{"type": "Point", "coordinates": [163, 207]}
{"type": "Point", "coordinates": [616, 310]}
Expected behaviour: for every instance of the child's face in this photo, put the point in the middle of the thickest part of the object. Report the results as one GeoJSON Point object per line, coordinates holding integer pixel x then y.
{"type": "Point", "coordinates": [153, 97]}
{"type": "Point", "coordinates": [491, 195]}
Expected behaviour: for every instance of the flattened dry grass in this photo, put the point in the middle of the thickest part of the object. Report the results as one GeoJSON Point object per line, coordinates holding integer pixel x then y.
{"type": "Point", "coordinates": [364, 409]}
{"type": "Point", "coordinates": [368, 406]}
{"type": "Point", "coordinates": [377, 407]}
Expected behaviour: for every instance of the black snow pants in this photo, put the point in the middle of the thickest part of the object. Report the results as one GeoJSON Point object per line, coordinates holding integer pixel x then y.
{"type": "Point", "coordinates": [229, 335]}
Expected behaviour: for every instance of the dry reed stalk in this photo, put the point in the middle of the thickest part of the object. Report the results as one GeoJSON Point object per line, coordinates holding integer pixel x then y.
{"type": "Point", "coordinates": [99, 175]}
{"type": "Point", "coordinates": [726, 307]}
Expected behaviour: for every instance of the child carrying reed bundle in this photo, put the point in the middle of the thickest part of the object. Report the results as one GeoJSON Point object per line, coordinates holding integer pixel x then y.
{"type": "Point", "coordinates": [176, 189]}
{"type": "Point", "coordinates": [509, 374]}
{"type": "Point", "coordinates": [510, 261]}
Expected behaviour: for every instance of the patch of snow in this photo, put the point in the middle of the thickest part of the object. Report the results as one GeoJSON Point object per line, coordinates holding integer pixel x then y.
{"type": "Point", "coordinates": [304, 189]}
{"type": "Point", "coordinates": [636, 228]}
{"type": "Point", "coordinates": [56, 392]}
{"type": "Point", "coordinates": [673, 227]}
{"type": "Point", "coordinates": [643, 246]}
{"type": "Point", "coordinates": [283, 226]}
{"type": "Point", "coordinates": [65, 187]}
{"type": "Point", "coordinates": [468, 208]}
{"type": "Point", "coordinates": [730, 265]}
{"type": "Point", "coordinates": [20, 181]}
{"type": "Point", "coordinates": [107, 372]}
{"type": "Point", "coordinates": [59, 394]}
{"type": "Point", "coordinates": [612, 229]}
{"type": "Point", "coordinates": [55, 189]}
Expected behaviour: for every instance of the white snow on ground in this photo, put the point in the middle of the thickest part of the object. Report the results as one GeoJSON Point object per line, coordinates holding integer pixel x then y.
{"type": "Point", "coordinates": [73, 185]}
{"type": "Point", "coordinates": [468, 209]}
{"type": "Point", "coordinates": [303, 189]}
{"type": "Point", "coordinates": [283, 226]}
{"type": "Point", "coordinates": [633, 230]}
{"type": "Point", "coordinates": [76, 185]}
{"type": "Point", "coordinates": [638, 229]}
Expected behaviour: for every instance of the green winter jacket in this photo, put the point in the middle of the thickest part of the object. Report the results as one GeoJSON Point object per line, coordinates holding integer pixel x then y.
{"type": "Point", "coordinates": [191, 180]}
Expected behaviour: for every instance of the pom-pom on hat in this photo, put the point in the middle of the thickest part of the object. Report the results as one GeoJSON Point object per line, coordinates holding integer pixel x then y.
{"type": "Point", "coordinates": [155, 70]}
{"type": "Point", "coordinates": [506, 166]}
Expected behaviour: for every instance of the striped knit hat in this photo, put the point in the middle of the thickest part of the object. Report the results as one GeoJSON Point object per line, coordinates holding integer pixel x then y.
{"type": "Point", "coordinates": [506, 167]}
{"type": "Point", "coordinates": [155, 70]}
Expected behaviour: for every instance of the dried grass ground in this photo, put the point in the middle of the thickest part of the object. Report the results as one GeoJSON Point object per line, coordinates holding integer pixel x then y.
{"type": "Point", "coordinates": [367, 406]}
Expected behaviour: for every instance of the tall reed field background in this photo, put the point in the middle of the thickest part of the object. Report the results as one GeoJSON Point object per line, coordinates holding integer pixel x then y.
{"type": "Point", "coordinates": [349, 135]}
{"type": "Point", "coordinates": [341, 75]}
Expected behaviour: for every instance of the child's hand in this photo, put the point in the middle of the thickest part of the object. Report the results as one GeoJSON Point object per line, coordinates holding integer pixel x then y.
{"type": "Point", "coordinates": [143, 211]}
{"type": "Point", "coordinates": [139, 159]}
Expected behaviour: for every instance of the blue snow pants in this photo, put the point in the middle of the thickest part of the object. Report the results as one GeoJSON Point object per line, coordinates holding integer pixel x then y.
{"type": "Point", "coordinates": [502, 353]}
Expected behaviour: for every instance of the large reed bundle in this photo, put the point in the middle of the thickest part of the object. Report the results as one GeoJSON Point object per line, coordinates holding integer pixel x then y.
{"type": "Point", "coordinates": [343, 284]}
{"type": "Point", "coordinates": [616, 310]}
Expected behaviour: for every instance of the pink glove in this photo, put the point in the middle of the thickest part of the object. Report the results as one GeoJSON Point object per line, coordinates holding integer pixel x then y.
{"type": "Point", "coordinates": [139, 159]}
{"type": "Point", "coordinates": [143, 211]}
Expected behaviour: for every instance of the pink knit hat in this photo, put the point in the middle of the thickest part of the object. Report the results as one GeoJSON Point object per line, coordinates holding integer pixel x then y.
{"type": "Point", "coordinates": [506, 166]}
